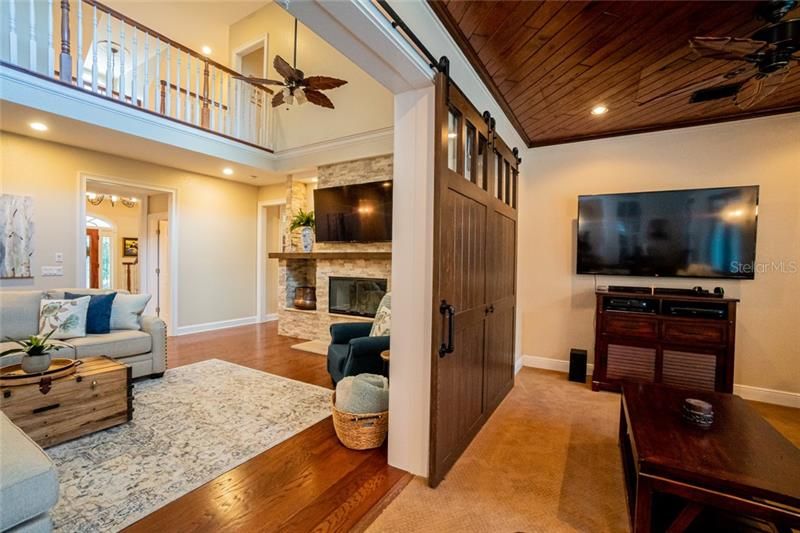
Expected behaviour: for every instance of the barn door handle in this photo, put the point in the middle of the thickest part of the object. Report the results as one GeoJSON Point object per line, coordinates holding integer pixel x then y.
{"type": "Point", "coordinates": [450, 312]}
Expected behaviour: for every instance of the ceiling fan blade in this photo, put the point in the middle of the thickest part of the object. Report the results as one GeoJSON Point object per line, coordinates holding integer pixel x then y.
{"type": "Point", "coordinates": [759, 87]}
{"type": "Point", "coordinates": [286, 70]}
{"type": "Point", "coordinates": [729, 76]}
{"type": "Point", "coordinates": [277, 99]}
{"type": "Point", "coordinates": [322, 83]}
{"type": "Point", "coordinates": [316, 97]}
{"type": "Point", "coordinates": [732, 48]}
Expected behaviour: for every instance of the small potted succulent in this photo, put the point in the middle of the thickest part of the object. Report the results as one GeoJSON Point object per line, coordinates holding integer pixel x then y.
{"type": "Point", "coordinates": [35, 352]}
{"type": "Point", "coordinates": [306, 221]}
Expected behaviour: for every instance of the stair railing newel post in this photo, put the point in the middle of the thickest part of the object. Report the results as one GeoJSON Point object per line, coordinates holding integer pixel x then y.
{"type": "Point", "coordinates": [205, 116]}
{"type": "Point", "coordinates": [65, 59]}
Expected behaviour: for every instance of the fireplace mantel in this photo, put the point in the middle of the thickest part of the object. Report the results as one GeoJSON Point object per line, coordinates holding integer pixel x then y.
{"type": "Point", "coordinates": [377, 256]}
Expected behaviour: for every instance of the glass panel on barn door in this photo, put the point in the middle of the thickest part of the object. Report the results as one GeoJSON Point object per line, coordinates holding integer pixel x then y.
{"type": "Point", "coordinates": [514, 187]}
{"type": "Point", "coordinates": [453, 122]}
{"type": "Point", "coordinates": [498, 191]}
{"type": "Point", "coordinates": [480, 164]}
{"type": "Point", "coordinates": [507, 188]}
{"type": "Point", "coordinates": [469, 152]}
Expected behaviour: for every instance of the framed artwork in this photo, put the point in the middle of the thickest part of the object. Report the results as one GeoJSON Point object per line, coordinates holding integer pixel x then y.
{"type": "Point", "coordinates": [16, 241]}
{"type": "Point", "coordinates": [130, 247]}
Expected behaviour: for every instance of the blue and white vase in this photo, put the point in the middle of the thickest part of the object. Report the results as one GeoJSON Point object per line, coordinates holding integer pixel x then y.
{"type": "Point", "coordinates": [307, 238]}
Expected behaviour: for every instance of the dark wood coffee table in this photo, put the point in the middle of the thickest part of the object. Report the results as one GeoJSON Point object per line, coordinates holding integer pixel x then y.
{"type": "Point", "coordinates": [741, 465]}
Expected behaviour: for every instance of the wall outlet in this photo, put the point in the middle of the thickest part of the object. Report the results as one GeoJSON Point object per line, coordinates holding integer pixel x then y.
{"type": "Point", "coordinates": [59, 257]}
{"type": "Point", "coordinates": [52, 271]}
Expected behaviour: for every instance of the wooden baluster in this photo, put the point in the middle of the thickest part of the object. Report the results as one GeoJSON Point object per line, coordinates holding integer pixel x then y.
{"type": "Point", "coordinates": [65, 59]}
{"type": "Point", "coordinates": [79, 52]}
{"type": "Point", "coordinates": [51, 63]}
{"type": "Point", "coordinates": [94, 48]}
{"type": "Point", "coordinates": [169, 80]}
{"type": "Point", "coordinates": [122, 91]}
{"type": "Point", "coordinates": [134, 67]}
{"type": "Point", "coordinates": [163, 106]}
{"type": "Point", "coordinates": [187, 113]}
{"type": "Point", "coordinates": [178, 84]}
{"type": "Point", "coordinates": [213, 99]}
{"type": "Point", "coordinates": [197, 96]}
{"type": "Point", "coordinates": [109, 60]}
{"type": "Point", "coordinates": [32, 37]}
{"type": "Point", "coordinates": [12, 32]}
{"type": "Point", "coordinates": [158, 70]}
{"type": "Point", "coordinates": [146, 89]}
{"type": "Point", "coordinates": [205, 119]}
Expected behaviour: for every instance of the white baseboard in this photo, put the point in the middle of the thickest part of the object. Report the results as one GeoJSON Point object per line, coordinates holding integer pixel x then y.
{"type": "Point", "coordinates": [518, 365]}
{"type": "Point", "coordinates": [547, 363]}
{"type": "Point", "coordinates": [759, 394]}
{"type": "Point", "coordinates": [211, 326]}
{"type": "Point", "coordinates": [748, 392]}
{"type": "Point", "coordinates": [270, 318]}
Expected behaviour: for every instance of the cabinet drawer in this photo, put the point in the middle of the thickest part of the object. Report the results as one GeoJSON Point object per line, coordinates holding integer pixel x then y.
{"type": "Point", "coordinates": [628, 326]}
{"type": "Point", "coordinates": [693, 333]}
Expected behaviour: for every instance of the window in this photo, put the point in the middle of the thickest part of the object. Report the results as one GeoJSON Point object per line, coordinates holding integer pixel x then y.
{"type": "Point", "coordinates": [105, 261]}
{"type": "Point", "coordinates": [507, 188]}
{"type": "Point", "coordinates": [480, 164]}
{"type": "Point", "coordinates": [469, 152]}
{"type": "Point", "coordinates": [453, 122]}
{"type": "Point", "coordinates": [499, 176]}
{"type": "Point", "coordinates": [99, 223]}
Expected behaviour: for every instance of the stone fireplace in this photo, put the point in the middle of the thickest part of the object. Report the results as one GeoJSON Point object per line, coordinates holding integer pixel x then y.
{"type": "Point", "coordinates": [355, 296]}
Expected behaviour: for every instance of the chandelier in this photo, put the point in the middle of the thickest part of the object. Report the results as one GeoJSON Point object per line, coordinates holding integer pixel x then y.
{"type": "Point", "coordinates": [97, 199]}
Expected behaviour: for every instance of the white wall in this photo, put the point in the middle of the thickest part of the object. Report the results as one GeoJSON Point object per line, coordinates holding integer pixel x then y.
{"type": "Point", "coordinates": [362, 105]}
{"type": "Point", "coordinates": [557, 305]}
{"type": "Point", "coordinates": [216, 223]}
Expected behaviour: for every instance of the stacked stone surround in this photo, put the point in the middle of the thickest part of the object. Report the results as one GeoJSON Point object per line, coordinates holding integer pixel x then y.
{"type": "Point", "coordinates": [296, 199]}
{"type": "Point", "coordinates": [315, 325]}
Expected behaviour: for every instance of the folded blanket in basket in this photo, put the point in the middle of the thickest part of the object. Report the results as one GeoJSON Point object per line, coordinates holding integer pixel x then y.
{"type": "Point", "coordinates": [364, 393]}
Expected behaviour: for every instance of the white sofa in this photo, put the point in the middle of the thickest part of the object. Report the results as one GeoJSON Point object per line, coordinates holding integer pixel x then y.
{"type": "Point", "coordinates": [145, 350]}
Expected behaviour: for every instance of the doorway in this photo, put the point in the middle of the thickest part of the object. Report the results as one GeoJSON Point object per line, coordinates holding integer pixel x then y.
{"type": "Point", "coordinates": [270, 232]}
{"type": "Point", "coordinates": [251, 60]}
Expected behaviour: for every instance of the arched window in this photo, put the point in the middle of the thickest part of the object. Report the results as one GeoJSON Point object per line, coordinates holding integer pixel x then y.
{"type": "Point", "coordinates": [99, 223]}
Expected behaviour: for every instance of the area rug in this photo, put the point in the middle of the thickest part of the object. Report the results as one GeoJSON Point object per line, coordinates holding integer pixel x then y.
{"type": "Point", "coordinates": [317, 347]}
{"type": "Point", "coordinates": [192, 425]}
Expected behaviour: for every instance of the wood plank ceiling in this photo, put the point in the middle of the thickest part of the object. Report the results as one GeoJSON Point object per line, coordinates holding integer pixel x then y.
{"type": "Point", "coordinates": [549, 63]}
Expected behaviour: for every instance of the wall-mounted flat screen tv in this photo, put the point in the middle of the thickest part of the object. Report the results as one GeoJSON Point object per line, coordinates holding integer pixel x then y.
{"type": "Point", "coordinates": [354, 213]}
{"type": "Point", "coordinates": [701, 233]}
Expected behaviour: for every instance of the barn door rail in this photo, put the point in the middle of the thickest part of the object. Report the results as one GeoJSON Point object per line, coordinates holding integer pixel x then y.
{"type": "Point", "coordinates": [102, 51]}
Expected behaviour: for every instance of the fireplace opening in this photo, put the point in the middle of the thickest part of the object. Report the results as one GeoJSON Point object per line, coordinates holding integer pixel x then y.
{"type": "Point", "coordinates": [355, 296]}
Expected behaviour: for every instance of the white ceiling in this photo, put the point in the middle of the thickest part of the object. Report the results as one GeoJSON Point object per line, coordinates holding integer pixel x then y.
{"type": "Point", "coordinates": [192, 23]}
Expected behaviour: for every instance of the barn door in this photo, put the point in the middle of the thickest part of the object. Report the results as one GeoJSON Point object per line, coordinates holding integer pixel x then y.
{"type": "Point", "coordinates": [468, 378]}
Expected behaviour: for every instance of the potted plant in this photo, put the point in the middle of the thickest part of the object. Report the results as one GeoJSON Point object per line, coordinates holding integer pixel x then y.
{"type": "Point", "coordinates": [35, 352]}
{"type": "Point", "coordinates": [304, 220]}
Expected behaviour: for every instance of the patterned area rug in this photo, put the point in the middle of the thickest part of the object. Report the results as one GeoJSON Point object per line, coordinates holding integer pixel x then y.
{"type": "Point", "coordinates": [192, 425]}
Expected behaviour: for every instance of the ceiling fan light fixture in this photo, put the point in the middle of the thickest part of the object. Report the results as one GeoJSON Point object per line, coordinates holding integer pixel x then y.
{"type": "Point", "coordinates": [300, 96]}
{"type": "Point", "coordinates": [599, 109]}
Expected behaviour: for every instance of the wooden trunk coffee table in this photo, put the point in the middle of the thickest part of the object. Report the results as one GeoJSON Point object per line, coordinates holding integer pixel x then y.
{"type": "Point", "coordinates": [97, 396]}
{"type": "Point", "coordinates": [741, 465]}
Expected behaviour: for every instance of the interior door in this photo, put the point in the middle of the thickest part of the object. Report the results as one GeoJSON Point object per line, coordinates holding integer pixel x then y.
{"type": "Point", "coordinates": [463, 371]}
{"type": "Point", "coordinates": [93, 257]}
{"type": "Point", "coordinates": [162, 272]}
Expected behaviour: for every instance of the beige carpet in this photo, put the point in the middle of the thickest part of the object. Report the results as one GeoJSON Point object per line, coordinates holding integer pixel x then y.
{"type": "Point", "coordinates": [546, 461]}
{"type": "Point", "coordinates": [317, 347]}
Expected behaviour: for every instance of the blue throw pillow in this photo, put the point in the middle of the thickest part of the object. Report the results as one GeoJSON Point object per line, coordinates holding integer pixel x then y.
{"type": "Point", "coordinates": [98, 318]}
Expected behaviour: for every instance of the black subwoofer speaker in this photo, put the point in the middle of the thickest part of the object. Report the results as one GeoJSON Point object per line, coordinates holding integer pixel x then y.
{"type": "Point", "coordinates": [577, 365]}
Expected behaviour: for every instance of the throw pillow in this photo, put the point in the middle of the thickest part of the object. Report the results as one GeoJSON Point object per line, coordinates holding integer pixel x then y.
{"type": "Point", "coordinates": [66, 317]}
{"type": "Point", "coordinates": [98, 318]}
{"type": "Point", "coordinates": [382, 324]}
{"type": "Point", "coordinates": [127, 309]}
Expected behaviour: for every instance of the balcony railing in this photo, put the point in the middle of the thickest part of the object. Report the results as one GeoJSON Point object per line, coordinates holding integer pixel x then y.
{"type": "Point", "coordinates": [102, 51]}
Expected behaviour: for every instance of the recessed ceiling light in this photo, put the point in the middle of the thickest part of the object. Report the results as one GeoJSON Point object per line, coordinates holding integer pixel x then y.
{"type": "Point", "coordinates": [228, 171]}
{"type": "Point", "coordinates": [38, 126]}
{"type": "Point", "coordinates": [599, 110]}
{"type": "Point", "coordinates": [206, 50]}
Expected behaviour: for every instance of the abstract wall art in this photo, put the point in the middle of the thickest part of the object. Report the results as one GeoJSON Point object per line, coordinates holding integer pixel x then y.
{"type": "Point", "coordinates": [16, 242]}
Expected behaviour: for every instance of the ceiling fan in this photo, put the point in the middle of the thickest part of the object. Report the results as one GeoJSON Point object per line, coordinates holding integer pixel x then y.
{"type": "Point", "coordinates": [296, 86]}
{"type": "Point", "coordinates": [760, 63]}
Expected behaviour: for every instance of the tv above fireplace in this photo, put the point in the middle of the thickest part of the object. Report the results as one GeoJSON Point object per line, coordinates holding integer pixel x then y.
{"type": "Point", "coordinates": [354, 213]}
{"type": "Point", "coordinates": [705, 233]}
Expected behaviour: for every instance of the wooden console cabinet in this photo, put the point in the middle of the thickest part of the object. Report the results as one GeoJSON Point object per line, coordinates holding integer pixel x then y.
{"type": "Point", "coordinates": [665, 342]}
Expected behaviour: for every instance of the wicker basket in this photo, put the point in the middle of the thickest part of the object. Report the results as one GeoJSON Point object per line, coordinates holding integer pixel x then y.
{"type": "Point", "coordinates": [360, 431]}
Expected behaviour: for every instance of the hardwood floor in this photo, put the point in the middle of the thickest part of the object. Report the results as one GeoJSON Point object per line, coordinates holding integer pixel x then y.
{"type": "Point", "coordinates": [308, 482]}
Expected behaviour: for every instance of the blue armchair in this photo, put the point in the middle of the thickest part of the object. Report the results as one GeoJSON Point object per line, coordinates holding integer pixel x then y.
{"type": "Point", "coordinates": [352, 351]}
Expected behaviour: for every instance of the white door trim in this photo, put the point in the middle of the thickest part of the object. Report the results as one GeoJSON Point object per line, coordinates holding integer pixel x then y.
{"type": "Point", "coordinates": [248, 47]}
{"type": "Point", "coordinates": [80, 255]}
{"type": "Point", "coordinates": [261, 271]}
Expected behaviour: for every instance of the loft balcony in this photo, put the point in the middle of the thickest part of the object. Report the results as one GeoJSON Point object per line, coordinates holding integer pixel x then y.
{"type": "Point", "coordinates": [88, 47]}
